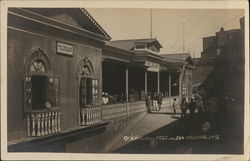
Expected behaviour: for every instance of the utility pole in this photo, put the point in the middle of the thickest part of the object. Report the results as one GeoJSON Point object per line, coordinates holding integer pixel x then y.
{"type": "Point", "coordinates": [151, 24]}
{"type": "Point", "coordinates": [183, 37]}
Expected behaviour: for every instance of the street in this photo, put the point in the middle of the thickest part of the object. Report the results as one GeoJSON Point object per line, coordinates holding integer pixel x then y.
{"type": "Point", "coordinates": [174, 135]}
{"type": "Point", "coordinates": [165, 133]}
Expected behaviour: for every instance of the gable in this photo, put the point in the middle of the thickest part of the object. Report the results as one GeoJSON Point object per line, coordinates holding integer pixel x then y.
{"type": "Point", "coordinates": [66, 18]}
{"type": "Point", "coordinates": [76, 17]}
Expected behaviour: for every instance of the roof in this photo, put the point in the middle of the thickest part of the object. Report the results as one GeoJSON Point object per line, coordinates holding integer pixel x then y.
{"type": "Point", "coordinates": [76, 17]}
{"type": "Point", "coordinates": [179, 57]}
{"type": "Point", "coordinates": [129, 44]}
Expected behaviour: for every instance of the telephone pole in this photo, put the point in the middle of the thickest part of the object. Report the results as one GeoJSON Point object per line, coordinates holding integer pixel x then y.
{"type": "Point", "coordinates": [151, 24]}
{"type": "Point", "coordinates": [183, 37]}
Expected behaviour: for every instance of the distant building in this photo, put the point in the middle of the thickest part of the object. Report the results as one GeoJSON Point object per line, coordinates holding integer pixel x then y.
{"type": "Point", "coordinates": [227, 42]}
{"type": "Point", "coordinates": [185, 62]}
{"type": "Point", "coordinates": [209, 47]}
{"type": "Point", "coordinates": [225, 71]}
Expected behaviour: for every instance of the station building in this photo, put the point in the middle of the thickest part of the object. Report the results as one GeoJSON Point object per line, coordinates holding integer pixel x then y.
{"type": "Point", "coordinates": [61, 65]}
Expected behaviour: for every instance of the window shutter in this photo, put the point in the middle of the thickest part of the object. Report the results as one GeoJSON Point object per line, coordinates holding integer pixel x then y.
{"type": "Point", "coordinates": [57, 91]}
{"type": "Point", "coordinates": [52, 91]}
{"type": "Point", "coordinates": [27, 94]}
{"type": "Point", "coordinates": [82, 92]}
{"type": "Point", "coordinates": [94, 91]}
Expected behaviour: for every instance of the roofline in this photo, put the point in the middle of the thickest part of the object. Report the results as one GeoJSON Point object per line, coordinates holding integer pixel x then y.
{"type": "Point", "coordinates": [138, 40]}
{"type": "Point", "coordinates": [95, 23]}
{"type": "Point", "coordinates": [135, 39]}
{"type": "Point", "coordinates": [107, 47]}
{"type": "Point", "coordinates": [26, 14]}
{"type": "Point", "coordinates": [175, 54]}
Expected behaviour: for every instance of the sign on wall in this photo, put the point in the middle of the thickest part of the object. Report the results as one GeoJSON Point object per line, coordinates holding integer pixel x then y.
{"type": "Point", "coordinates": [152, 67]}
{"type": "Point", "coordinates": [65, 49]}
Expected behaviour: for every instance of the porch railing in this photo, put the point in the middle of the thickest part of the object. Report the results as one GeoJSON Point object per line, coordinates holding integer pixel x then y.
{"type": "Point", "coordinates": [112, 111]}
{"type": "Point", "coordinates": [91, 115]}
{"type": "Point", "coordinates": [42, 123]}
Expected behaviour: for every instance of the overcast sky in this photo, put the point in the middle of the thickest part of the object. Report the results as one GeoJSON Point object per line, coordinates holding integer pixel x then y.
{"type": "Point", "coordinates": [167, 25]}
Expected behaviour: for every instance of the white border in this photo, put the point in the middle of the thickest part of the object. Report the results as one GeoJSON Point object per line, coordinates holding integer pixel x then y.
{"type": "Point", "coordinates": [117, 4]}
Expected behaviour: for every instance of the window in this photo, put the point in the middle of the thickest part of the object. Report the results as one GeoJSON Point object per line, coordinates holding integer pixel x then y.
{"type": "Point", "coordinates": [88, 86]}
{"type": "Point", "coordinates": [38, 66]}
{"type": "Point", "coordinates": [140, 46]}
{"type": "Point", "coordinates": [94, 90]}
{"type": "Point", "coordinates": [38, 92]}
{"type": "Point", "coordinates": [41, 92]}
{"type": "Point", "coordinates": [88, 91]}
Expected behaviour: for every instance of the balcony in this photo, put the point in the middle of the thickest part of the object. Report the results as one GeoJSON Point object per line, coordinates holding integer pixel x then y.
{"type": "Point", "coordinates": [91, 115]}
{"type": "Point", "coordinates": [43, 122]}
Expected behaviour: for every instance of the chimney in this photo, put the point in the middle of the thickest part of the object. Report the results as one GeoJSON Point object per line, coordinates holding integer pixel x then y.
{"type": "Point", "coordinates": [222, 29]}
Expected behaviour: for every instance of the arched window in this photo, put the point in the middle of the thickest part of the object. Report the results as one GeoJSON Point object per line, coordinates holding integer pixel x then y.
{"type": "Point", "coordinates": [88, 84]}
{"type": "Point", "coordinates": [85, 71]}
{"type": "Point", "coordinates": [38, 66]}
{"type": "Point", "coordinates": [41, 90]}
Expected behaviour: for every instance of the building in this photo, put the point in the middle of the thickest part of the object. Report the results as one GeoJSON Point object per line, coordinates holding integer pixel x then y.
{"type": "Point", "coordinates": [54, 69]}
{"type": "Point", "coordinates": [62, 66]}
{"type": "Point", "coordinates": [228, 42]}
{"type": "Point", "coordinates": [226, 70]}
{"type": "Point", "coordinates": [183, 63]}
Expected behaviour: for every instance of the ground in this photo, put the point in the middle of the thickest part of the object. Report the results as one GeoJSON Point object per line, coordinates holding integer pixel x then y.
{"type": "Point", "coordinates": [159, 132]}
{"type": "Point", "coordinates": [165, 133]}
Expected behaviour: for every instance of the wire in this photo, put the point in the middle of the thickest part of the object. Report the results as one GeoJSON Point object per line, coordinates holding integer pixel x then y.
{"type": "Point", "coordinates": [190, 30]}
{"type": "Point", "coordinates": [215, 29]}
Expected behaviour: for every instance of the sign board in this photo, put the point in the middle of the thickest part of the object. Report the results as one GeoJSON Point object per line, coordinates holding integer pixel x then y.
{"type": "Point", "coordinates": [152, 67]}
{"type": "Point", "coordinates": [65, 49]}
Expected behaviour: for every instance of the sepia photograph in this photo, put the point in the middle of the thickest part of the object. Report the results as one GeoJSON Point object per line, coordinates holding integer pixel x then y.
{"type": "Point", "coordinates": [78, 79]}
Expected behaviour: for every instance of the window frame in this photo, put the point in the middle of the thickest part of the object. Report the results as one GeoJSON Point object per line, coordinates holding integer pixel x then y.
{"type": "Point", "coordinates": [39, 55]}
{"type": "Point", "coordinates": [93, 95]}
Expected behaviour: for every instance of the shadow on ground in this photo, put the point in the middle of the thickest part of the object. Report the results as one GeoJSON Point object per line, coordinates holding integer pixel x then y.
{"type": "Point", "coordinates": [186, 136]}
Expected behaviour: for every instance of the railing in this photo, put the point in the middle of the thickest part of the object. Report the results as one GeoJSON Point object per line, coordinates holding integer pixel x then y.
{"type": "Point", "coordinates": [110, 112]}
{"type": "Point", "coordinates": [42, 123]}
{"type": "Point", "coordinates": [138, 106]}
{"type": "Point", "coordinates": [122, 110]}
{"type": "Point", "coordinates": [91, 115]}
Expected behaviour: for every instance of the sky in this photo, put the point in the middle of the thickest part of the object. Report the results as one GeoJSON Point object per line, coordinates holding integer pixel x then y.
{"type": "Point", "coordinates": [167, 25]}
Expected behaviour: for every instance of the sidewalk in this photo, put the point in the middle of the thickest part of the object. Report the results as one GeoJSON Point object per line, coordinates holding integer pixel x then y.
{"type": "Point", "coordinates": [149, 123]}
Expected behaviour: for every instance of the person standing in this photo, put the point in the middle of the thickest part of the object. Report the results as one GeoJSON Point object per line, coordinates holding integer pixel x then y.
{"type": "Point", "coordinates": [149, 104]}
{"type": "Point", "coordinates": [192, 107]}
{"type": "Point", "coordinates": [155, 104]}
{"type": "Point", "coordinates": [159, 101]}
{"type": "Point", "coordinates": [183, 108]}
{"type": "Point", "coordinates": [174, 106]}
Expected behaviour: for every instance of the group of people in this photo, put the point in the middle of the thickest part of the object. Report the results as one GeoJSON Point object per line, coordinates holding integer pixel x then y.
{"type": "Point", "coordinates": [185, 105]}
{"type": "Point", "coordinates": [109, 99]}
{"type": "Point", "coordinates": [154, 102]}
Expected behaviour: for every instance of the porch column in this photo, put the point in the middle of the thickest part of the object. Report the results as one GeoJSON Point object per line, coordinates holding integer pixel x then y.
{"type": "Point", "coordinates": [146, 83]}
{"type": "Point", "coordinates": [127, 105]}
{"type": "Point", "coordinates": [180, 86]}
{"type": "Point", "coordinates": [169, 85]}
{"type": "Point", "coordinates": [127, 83]}
{"type": "Point", "coordinates": [158, 82]}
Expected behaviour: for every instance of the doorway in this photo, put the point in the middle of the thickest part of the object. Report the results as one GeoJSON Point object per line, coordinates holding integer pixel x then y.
{"type": "Point", "coordinates": [38, 92]}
